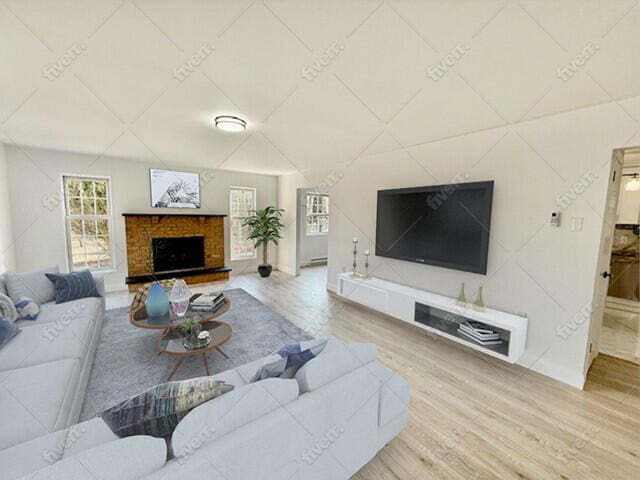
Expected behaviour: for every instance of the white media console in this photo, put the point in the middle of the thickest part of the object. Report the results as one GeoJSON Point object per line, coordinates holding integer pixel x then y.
{"type": "Point", "coordinates": [436, 313]}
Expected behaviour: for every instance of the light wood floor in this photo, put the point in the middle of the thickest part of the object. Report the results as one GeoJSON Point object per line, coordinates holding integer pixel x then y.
{"type": "Point", "coordinates": [474, 417]}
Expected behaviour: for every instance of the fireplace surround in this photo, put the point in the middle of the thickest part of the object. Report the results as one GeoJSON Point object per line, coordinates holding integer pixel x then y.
{"type": "Point", "coordinates": [189, 246]}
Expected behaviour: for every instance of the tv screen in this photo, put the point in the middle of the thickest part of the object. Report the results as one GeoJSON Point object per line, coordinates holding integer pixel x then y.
{"type": "Point", "coordinates": [443, 225]}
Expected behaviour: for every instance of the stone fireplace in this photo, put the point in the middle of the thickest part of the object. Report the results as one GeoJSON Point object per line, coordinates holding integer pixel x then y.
{"type": "Point", "coordinates": [189, 246]}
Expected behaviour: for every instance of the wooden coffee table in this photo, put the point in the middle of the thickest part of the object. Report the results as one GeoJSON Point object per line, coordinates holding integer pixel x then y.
{"type": "Point", "coordinates": [173, 342]}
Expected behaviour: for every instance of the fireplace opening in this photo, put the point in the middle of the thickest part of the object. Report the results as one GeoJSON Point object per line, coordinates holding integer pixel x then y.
{"type": "Point", "coordinates": [177, 253]}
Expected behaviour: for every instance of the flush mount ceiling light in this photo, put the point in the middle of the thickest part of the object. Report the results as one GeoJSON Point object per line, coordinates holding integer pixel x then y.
{"type": "Point", "coordinates": [632, 185]}
{"type": "Point", "coordinates": [229, 123]}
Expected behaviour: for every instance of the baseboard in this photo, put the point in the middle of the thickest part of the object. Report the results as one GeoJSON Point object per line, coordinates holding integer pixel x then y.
{"type": "Point", "coordinates": [332, 287]}
{"type": "Point", "coordinates": [286, 269]}
{"type": "Point", "coordinates": [541, 365]}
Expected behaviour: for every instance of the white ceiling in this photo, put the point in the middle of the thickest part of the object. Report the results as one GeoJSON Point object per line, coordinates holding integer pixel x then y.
{"type": "Point", "coordinates": [119, 96]}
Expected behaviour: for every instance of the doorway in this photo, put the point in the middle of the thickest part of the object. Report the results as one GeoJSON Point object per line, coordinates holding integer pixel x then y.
{"type": "Point", "coordinates": [620, 334]}
{"type": "Point", "coordinates": [312, 218]}
{"type": "Point", "coordinates": [616, 304]}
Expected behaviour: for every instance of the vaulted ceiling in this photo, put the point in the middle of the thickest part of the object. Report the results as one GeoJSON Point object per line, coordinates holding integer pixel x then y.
{"type": "Point", "coordinates": [319, 82]}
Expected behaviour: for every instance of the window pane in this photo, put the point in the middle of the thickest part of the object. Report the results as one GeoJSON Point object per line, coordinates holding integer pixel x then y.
{"type": "Point", "coordinates": [101, 189]}
{"type": "Point", "coordinates": [323, 224]}
{"type": "Point", "coordinates": [87, 188]}
{"type": "Point", "coordinates": [241, 244]}
{"type": "Point", "coordinates": [76, 227]}
{"type": "Point", "coordinates": [88, 208]}
{"type": "Point", "coordinates": [103, 227]}
{"type": "Point", "coordinates": [75, 207]}
{"type": "Point", "coordinates": [90, 227]}
{"type": "Point", "coordinates": [73, 187]}
{"type": "Point", "coordinates": [101, 206]}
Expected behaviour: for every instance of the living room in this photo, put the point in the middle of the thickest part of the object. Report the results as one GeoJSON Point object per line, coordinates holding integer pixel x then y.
{"type": "Point", "coordinates": [346, 185]}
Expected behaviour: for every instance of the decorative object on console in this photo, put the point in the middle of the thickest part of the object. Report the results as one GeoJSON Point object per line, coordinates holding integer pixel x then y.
{"type": "Point", "coordinates": [73, 286]}
{"type": "Point", "coordinates": [287, 360]}
{"type": "Point", "coordinates": [265, 228]}
{"type": "Point", "coordinates": [28, 309]}
{"type": "Point", "coordinates": [354, 272]}
{"type": "Point", "coordinates": [172, 189]}
{"type": "Point", "coordinates": [478, 304]}
{"type": "Point", "coordinates": [179, 298]}
{"type": "Point", "coordinates": [366, 264]}
{"type": "Point", "coordinates": [7, 308]}
{"type": "Point", "coordinates": [8, 330]}
{"type": "Point", "coordinates": [157, 301]}
{"type": "Point", "coordinates": [461, 299]}
{"type": "Point", "coordinates": [158, 410]}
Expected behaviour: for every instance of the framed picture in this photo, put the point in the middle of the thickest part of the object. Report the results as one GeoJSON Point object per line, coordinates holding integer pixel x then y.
{"type": "Point", "coordinates": [171, 189]}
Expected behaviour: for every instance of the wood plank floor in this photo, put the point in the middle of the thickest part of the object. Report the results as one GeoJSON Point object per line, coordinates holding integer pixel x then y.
{"type": "Point", "coordinates": [471, 416]}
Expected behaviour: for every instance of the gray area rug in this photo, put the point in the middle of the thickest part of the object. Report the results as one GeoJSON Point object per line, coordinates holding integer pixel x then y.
{"type": "Point", "coordinates": [126, 363]}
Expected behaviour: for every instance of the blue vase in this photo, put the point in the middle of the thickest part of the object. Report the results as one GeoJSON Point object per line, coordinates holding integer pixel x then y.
{"type": "Point", "coordinates": [157, 302]}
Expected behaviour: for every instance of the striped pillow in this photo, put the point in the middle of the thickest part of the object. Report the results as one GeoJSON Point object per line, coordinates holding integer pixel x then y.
{"type": "Point", "coordinates": [157, 411]}
{"type": "Point", "coordinates": [72, 286]}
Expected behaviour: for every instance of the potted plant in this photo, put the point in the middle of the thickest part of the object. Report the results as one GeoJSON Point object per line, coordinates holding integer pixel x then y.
{"type": "Point", "coordinates": [266, 227]}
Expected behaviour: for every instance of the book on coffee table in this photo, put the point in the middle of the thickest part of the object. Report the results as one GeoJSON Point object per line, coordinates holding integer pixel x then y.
{"type": "Point", "coordinates": [208, 302]}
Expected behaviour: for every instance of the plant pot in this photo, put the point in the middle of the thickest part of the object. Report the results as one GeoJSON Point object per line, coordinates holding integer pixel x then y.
{"type": "Point", "coordinates": [265, 270]}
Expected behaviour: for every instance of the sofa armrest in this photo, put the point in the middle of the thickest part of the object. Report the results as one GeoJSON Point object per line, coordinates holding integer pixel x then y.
{"type": "Point", "coordinates": [100, 286]}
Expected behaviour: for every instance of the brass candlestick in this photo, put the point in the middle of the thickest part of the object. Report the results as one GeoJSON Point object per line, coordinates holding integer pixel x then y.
{"type": "Point", "coordinates": [366, 264]}
{"type": "Point", "coordinates": [354, 273]}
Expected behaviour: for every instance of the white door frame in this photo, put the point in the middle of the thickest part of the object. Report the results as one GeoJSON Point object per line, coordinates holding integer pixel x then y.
{"type": "Point", "coordinates": [601, 282]}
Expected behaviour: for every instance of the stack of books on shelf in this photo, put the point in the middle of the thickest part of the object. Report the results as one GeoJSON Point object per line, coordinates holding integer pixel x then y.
{"type": "Point", "coordinates": [479, 333]}
{"type": "Point", "coordinates": [208, 302]}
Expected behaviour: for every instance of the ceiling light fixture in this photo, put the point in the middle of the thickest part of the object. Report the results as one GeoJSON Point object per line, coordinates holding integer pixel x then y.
{"type": "Point", "coordinates": [229, 123]}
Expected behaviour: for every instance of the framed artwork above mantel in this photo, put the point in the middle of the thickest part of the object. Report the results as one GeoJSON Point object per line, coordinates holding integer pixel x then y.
{"type": "Point", "coordinates": [174, 189]}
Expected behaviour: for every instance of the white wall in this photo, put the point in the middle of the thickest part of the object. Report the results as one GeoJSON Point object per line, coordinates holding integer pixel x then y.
{"type": "Point", "coordinates": [7, 258]}
{"type": "Point", "coordinates": [546, 273]}
{"type": "Point", "coordinates": [309, 246]}
{"type": "Point", "coordinates": [288, 186]}
{"type": "Point", "coordinates": [35, 192]}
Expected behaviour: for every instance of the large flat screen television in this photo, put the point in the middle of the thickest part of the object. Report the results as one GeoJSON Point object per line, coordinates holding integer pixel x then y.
{"type": "Point", "coordinates": [443, 225]}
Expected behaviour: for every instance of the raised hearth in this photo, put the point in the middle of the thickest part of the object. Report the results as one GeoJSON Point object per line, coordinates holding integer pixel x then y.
{"type": "Point", "coordinates": [189, 246]}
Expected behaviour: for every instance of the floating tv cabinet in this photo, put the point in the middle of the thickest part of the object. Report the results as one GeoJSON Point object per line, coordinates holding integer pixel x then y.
{"type": "Point", "coordinates": [435, 313]}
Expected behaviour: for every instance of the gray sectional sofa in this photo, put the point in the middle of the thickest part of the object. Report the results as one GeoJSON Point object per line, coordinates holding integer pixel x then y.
{"type": "Point", "coordinates": [341, 408]}
{"type": "Point", "coordinates": [44, 370]}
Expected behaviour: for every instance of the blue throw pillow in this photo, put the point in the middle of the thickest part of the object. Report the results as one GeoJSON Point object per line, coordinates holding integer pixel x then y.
{"type": "Point", "coordinates": [28, 308]}
{"type": "Point", "coordinates": [8, 330]}
{"type": "Point", "coordinates": [287, 360]}
{"type": "Point", "coordinates": [72, 286]}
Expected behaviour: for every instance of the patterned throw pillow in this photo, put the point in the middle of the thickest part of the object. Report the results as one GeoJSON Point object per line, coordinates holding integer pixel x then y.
{"type": "Point", "coordinates": [72, 286]}
{"type": "Point", "coordinates": [157, 411]}
{"type": "Point", "coordinates": [285, 362]}
{"type": "Point", "coordinates": [7, 308]}
{"type": "Point", "coordinates": [27, 308]}
{"type": "Point", "coordinates": [8, 330]}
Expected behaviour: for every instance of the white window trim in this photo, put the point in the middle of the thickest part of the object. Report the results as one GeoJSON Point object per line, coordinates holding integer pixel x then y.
{"type": "Point", "coordinates": [67, 225]}
{"type": "Point", "coordinates": [307, 215]}
{"type": "Point", "coordinates": [255, 206]}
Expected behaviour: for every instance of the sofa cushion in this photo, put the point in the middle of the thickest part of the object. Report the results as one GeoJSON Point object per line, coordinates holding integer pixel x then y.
{"type": "Point", "coordinates": [158, 410]}
{"type": "Point", "coordinates": [30, 456]}
{"type": "Point", "coordinates": [336, 359]}
{"type": "Point", "coordinates": [39, 344]}
{"type": "Point", "coordinates": [394, 394]}
{"type": "Point", "coordinates": [123, 459]}
{"type": "Point", "coordinates": [231, 377]}
{"type": "Point", "coordinates": [60, 315]}
{"type": "Point", "coordinates": [33, 398]}
{"type": "Point", "coordinates": [31, 284]}
{"type": "Point", "coordinates": [73, 286]}
{"type": "Point", "coordinates": [286, 361]}
{"type": "Point", "coordinates": [222, 415]}
{"type": "Point", "coordinates": [248, 370]}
